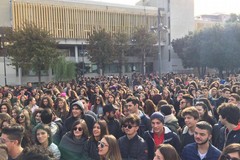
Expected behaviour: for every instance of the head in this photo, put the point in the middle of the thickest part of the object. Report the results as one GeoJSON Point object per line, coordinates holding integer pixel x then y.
{"type": "Point", "coordinates": [36, 152]}
{"type": "Point", "coordinates": [108, 148]}
{"type": "Point", "coordinates": [85, 102]}
{"type": "Point", "coordinates": [202, 109]}
{"type": "Point", "coordinates": [46, 116]}
{"type": "Point", "coordinates": [234, 98]}
{"type": "Point", "coordinates": [131, 124]}
{"type": "Point", "coordinates": [229, 113]}
{"type": "Point", "coordinates": [191, 116]}
{"type": "Point", "coordinates": [5, 108]}
{"type": "Point", "coordinates": [202, 133]}
{"type": "Point", "coordinates": [231, 152]}
{"type": "Point", "coordinates": [133, 103]}
{"type": "Point", "coordinates": [77, 109]}
{"type": "Point", "coordinates": [109, 111]}
{"type": "Point", "coordinates": [186, 101]}
{"type": "Point", "coordinates": [100, 129]}
{"type": "Point", "coordinates": [157, 122]}
{"type": "Point", "coordinates": [149, 107]}
{"type": "Point", "coordinates": [12, 136]}
{"type": "Point", "coordinates": [166, 152]}
{"type": "Point", "coordinates": [43, 134]}
{"type": "Point", "coordinates": [79, 129]}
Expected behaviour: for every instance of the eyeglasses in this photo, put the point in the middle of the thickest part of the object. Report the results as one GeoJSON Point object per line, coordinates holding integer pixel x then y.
{"type": "Point", "coordinates": [2, 140]}
{"type": "Point", "coordinates": [77, 128]}
{"type": "Point", "coordinates": [22, 116]}
{"type": "Point", "coordinates": [227, 157]}
{"type": "Point", "coordinates": [101, 144]}
{"type": "Point", "coordinates": [128, 126]}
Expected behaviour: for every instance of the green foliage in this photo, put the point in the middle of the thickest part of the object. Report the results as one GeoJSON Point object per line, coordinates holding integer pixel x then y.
{"type": "Point", "coordinates": [64, 70]}
{"type": "Point", "coordinates": [100, 48]}
{"type": "Point", "coordinates": [32, 48]}
{"type": "Point", "coordinates": [143, 44]}
{"type": "Point", "coordinates": [216, 47]}
{"type": "Point", "coordinates": [121, 46]}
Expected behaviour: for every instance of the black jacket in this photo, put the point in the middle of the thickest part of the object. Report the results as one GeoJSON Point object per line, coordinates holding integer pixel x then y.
{"type": "Point", "coordinates": [133, 149]}
{"type": "Point", "coordinates": [92, 149]}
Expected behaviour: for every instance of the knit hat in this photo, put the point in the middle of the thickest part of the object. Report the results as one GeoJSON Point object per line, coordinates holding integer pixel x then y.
{"type": "Point", "coordinates": [79, 104]}
{"type": "Point", "coordinates": [166, 110]}
{"type": "Point", "coordinates": [157, 115]}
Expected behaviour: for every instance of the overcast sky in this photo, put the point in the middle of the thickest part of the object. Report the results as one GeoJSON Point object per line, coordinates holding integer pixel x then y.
{"type": "Point", "coordinates": [201, 6]}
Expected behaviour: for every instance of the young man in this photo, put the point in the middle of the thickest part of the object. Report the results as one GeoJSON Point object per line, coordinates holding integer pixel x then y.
{"type": "Point", "coordinates": [159, 134]}
{"type": "Point", "coordinates": [114, 126]}
{"type": "Point", "coordinates": [85, 102]}
{"type": "Point", "coordinates": [12, 136]}
{"type": "Point", "coordinates": [201, 149]}
{"type": "Point", "coordinates": [191, 117]}
{"type": "Point", "coordinates": [145, 124]}
{"type": "Point", "coordinates": [229, 116]}
{"type": "Point", "coordinates": [77, 111]}
{"type": "Point", "coordinates": [132, 146]}
{"type": "Point", "coordinates": [187, 101]}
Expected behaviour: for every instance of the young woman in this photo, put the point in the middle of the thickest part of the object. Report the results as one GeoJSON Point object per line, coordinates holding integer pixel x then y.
{"type": "Point", "coordinates": [166, 152]}
{"type": "Point", "coordinates": [43, 137]}
{"type": "Point", "coordinates": [73, 144]}
{"type": "Point", "coordinates": [36, 117]}
{"type": "Point", "coordinates": [99, 130]}
{"type": "Point", "coordinates": [203, 113]}
{"type": "Point", "coordinates": [108, 148]}
{"type": "Point", "coordinates": [62, 109]}
{"type": "Point", "coordinates": [97, 107]}
{"type": "Point", "coordinates": [6, 108]}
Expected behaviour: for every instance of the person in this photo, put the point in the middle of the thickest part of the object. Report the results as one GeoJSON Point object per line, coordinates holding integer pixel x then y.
{"type": "Point", "coordinates": [36, 152]}
{"type": "Point", "coordinates": [166, 152]}
{"type": "Point", "coordinates": [159, 134]}
{"type": "Point", "coordinates": [73, 143]}
{"type": "Point", "coordinates": [191, 117]}
{"type": "Point", "coordinates": [97, 106]}
{"type": "Point", "coordinates": [203, 113]}
{"type": "Point", "coordinates": [32, 104]}
{"type": "Point", "coordinates": [44, 138]}
{"type": "Point", "coordinates": [231, 152]}
{"type": "Point", "coordinates": [85, 102]}
{"type": "Point", "coordinates": [201, 148]}
{"type": "Point", "coordinates": [133, 108]}
{"type": "Point", "coordinates": [47, 119]}
{"type": "Point", "coordinates": [113, 124]}
{"type": "Point", "coordinates": [99, 130]}
{"type": "Point", "coordinates": [187, 101]}
{"type": "Point", "coordinates": [12, 136]}
{"type": "Point", "coordinates": [77, 112]}
{"type": "Point", "coordinates": [62, 109]}
{"type": "Point", "coordinates": [131, 145]}
{"type": "Point", "coordinates": [3, 151]}
{"type": "Point", "coordinates": [229, 115]}
{"type": "Point", "coordinates": [36, 117]}
{"type": "Point", "coordinates": [6, 108]}
{"type": "Point", "coordinates": [108, 148]}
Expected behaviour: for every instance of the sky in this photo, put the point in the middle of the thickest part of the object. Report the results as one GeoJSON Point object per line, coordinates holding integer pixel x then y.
{"type": "Point", "coordinates": [201, 6]}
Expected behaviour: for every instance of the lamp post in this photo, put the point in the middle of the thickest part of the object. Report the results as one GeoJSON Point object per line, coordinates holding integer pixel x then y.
{"type": "Point", "coordinates": [83, 64]}
{"type": "Point", "coordinates": [2, 36]}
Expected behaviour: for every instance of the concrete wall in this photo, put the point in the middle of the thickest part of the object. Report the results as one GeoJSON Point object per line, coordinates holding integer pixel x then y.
{"type": "Point", "coordinates": [5, 13]}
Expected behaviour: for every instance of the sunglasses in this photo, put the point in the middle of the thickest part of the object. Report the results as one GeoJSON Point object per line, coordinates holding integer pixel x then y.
{"type": "Point", "coordinates": [2, 140]}
{"type": "Point", "coordinates": [128, 126]}
{"type": "Point", "coordinates": [227, 157]}
{"type": "Point", "coordinates": [77, 128]}
{"type": "Point", "coordinates": [22, 116]}
{"type": "Point", "coordinates": [101, 144]}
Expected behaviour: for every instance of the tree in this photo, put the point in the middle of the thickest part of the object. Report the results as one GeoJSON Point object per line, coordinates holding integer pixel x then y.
{"type": "Point", "coordinates": [32, 48]}
{"type": "Point", "coordinates": [143, 42]}
{"type": "Point", "coordinates": [64, 70]}
{"type": "Point", "coordinates": [100, 49]}
{"type": "Point", "coordinates": [121, 46]}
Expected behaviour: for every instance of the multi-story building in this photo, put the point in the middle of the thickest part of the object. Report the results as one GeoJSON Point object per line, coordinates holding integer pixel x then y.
{"type": "Point", "coordinates": [70, 22]}
{"type": "Point", "coordinates": [178, 16]}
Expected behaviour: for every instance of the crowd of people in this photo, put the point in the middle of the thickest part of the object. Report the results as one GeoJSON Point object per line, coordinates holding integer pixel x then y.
{"type": "Point", "coordinates": [176, 117]}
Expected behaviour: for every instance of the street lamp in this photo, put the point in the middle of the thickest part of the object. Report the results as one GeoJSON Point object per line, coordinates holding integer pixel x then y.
{"type": "Point", "coordinates": [160, 27]}
{"type": "Point", "coordinates": [82, 53]}
{"type": "Point", "coordinates": [2, 36]}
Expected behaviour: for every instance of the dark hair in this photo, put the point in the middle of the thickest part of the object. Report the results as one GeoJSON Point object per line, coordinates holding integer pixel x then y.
{"type": "Point", "coordinates": [168, 152]}
{"type": "Point", "coordinates": [205, 126]}
{"type": "Point", "coordinates": [36, 152]}
{"type": "Point", "coordinates": [103, 128]}
{"type": "Point", "coordinates": [84, 127]}
{"type": "Point", "coordinates": [14, 132]}
{"type": "Point", "coordinates": [9, 107]}
{"type": "Point", "coordinates": [133, 119]}
{"type": "Point", "coordinates": [192, 111]}
{"type": "Point", "coordinates": [46, 116]}
{"type": "Point", "coordinates": [47, 129]}
{"type": "Point", "coordinates": [229, 111]}
{"type": "Point", "coordinates": [133, 99]}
